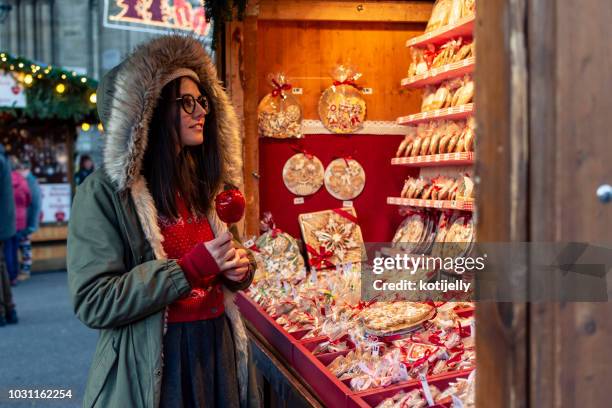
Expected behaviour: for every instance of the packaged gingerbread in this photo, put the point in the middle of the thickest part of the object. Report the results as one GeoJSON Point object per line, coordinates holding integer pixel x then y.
{"type": "Point", "coordinates": [279, 114]}
{"type": "Point", "coordinates": [342, 108]}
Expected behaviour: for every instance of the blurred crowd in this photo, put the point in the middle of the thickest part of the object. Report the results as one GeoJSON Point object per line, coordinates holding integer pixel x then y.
{"type": "Point", "coordinates": [20, 205]}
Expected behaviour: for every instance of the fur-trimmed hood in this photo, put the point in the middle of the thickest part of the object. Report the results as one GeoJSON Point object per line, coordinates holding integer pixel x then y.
{"type": "Point", "coordinates": [128, 95]}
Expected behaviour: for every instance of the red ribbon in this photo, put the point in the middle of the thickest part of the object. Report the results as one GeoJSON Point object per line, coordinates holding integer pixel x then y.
{"type": "Point", "coordinates": [320, 260]}
{"type": "Point", "coordinates": [345, 158]}
{"type": "Point", "coordinates": [345, 214]}
{"type": "Point", "coordinates": [348, 81]}
{"type": "Point", "coordinates": [278, 88]}
{"type": "Point", "coordinates": [421, 360]}
{"type": "Point", "coordinates": [464, 331]}
{"type": "Point", "coordinates": [308, 155]}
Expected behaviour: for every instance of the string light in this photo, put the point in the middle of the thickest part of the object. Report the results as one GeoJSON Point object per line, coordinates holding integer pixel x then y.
{"type": "Point", "coordinates": [74, 74]}
{"type": "Point", "coordinates": [39, 76]}
{"type": "Point", "coordinates": [85, 126]}
{"type": "Point", "coordinates": [63, 76]}
{"type": "Point", "coordinates": [60, 88]}
{"type": "Point", "coordinates": [12, 67]}
{"type": "Point", "coordinates": [93, 98]}
{"type": "Point", "coordinates": [83, 80]}
{"type": "Point", "coordinates": [20, 65]}
{"type": "Point", "coordinates": [28, 79]}
{"type": "Point", "coordinates": [100, 127]}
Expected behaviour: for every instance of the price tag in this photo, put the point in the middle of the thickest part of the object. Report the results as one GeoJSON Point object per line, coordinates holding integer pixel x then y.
{"type": "Point", "coordinates": [426, 391]}
{"type": "Point", "coordinates": [438, 204]}
{"type": "Point", "coordinates": [454, 204]}
{"type": "Point", "coordinates": [296, 91]}
{"type": "Point", "coordinates": [250, 243]}
{"type": "Point", "coordinates": [367, 91]}
{"type": "Point", "coordinates": [298, 200]}
{"type": "Point", "coordinates": [313, 275]}
{"type": "Point", "coordinates": [347, 204]}
{"type": "Point", "coordinates": [456, 401]}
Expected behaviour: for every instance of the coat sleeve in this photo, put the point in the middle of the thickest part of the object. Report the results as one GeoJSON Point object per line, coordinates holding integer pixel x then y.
{"type": "Point", "coordinates": [104, 293]}
{"type": "Point", "coordinates": [34, 208]}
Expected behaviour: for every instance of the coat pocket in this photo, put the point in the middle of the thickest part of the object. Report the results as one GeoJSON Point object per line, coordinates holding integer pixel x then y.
{"type": "Point", "coordinates": [103, 363]}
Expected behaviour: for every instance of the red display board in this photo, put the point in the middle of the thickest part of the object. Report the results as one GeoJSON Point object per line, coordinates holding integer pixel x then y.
{"type": "Point", "coordinates": [377, 219]}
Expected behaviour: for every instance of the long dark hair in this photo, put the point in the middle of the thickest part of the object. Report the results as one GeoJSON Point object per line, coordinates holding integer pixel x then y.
{"type": "Point", "coordinates": [195, 173]}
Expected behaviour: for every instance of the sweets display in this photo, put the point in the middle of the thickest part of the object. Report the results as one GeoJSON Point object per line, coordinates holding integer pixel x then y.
{"type": "Point", "coordinates": [439, 188]}
{"type": "Point", "coordinates": [454, 50]}
{"type": "Point", "coordinates": [303, 174]}
{"type": "Point", "coordinates": [414, 234]}
{"type": "Point", "coordinates": [342, 108]}
{"type": "Point", "coordinates": [344, 178]}
{"type": "Point", "coordinates": [454, 92]}
{"type": "Point", "coordinates": [449, 12]}
{"type": "Point", "coordinates": [279, 113]}
{"type": "Point", "coordinates": [332, 237]}
{"type": "Point", "coordinates": [385, 318]}
{"type": "Point", "coordinates": [438, 137]}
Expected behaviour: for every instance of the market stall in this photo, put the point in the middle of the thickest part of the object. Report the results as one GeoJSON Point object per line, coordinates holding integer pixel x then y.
{"type": "Point", "coordinates": [40, 110]}
{"type": "Point", "coordinates": [359, 130]}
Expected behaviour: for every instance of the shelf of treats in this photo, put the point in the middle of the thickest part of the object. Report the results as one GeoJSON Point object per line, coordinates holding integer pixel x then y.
{"type": "Point", "coordinates": [464, 28]}
{"type": "Point", "coordinates": [439, 74]}
{"type": "Point", "coordinates": [456, 112]}
{"type": "Point", "coordinates": [437, 204]}
{"type": "Point", "coordinates": [445, 159]}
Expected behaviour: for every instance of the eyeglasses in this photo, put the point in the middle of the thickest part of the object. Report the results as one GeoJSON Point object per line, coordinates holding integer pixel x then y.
{"type": "Point", "coordinates": [188, 102]}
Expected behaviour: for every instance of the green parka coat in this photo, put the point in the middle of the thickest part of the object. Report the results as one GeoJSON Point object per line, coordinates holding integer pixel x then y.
{"type": "Point", "coordinates": [118, 274]}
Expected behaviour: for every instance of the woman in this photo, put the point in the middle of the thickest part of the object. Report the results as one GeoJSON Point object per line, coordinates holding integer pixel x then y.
{"type": "Point", "coordinates": [86, 167]}
{"type": "Point", "coordinates": [149, 262]}
{"type": "Point", "coordinates": [23, 198]}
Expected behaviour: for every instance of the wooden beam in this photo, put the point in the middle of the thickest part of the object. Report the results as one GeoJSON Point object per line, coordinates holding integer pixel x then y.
{"type": "Point", "coordinates": [366, 11]}
{"type": "Point", "coordinates": [249, 71]}
{"type": "Point", "coordinates": [502, 180]}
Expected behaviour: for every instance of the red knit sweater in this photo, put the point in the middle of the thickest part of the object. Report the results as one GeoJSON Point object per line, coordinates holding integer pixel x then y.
{"type": "Point", "coordinates": [205, 301]}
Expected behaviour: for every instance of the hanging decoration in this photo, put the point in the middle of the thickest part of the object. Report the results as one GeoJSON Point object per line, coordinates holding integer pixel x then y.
{"type": "Point", "coordinates": [51, 93]}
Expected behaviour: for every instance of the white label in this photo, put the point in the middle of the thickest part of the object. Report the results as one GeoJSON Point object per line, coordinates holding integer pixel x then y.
{"type": "Point", "coordinates": [347, 204]}
{"type": "Point", "coordinates": [250, 243]}
{"type": "Point", "coordinates": [426, 391]}
{"type": "Point", "coordinates": [367, 91]}
{"type": "Point", "coordinates": [296, 91]}
{"type": "Point", "coordinates": [456, 401]}
{"type": "Point", "coordinates": [298, 200]}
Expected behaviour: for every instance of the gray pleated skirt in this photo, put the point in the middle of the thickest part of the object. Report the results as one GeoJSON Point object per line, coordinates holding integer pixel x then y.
{"type": "Point", "coordinates": [200, 365]}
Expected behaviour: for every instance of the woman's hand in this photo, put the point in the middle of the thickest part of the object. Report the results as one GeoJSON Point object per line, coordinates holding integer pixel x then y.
{"type": "Point", "coordinates": [239, 264]}
{"type": "Point", "coordinates": [222, 250]}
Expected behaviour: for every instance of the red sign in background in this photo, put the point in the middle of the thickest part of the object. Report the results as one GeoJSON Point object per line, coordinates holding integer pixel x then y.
{"type": "Point", "coordinates": [377, 219]}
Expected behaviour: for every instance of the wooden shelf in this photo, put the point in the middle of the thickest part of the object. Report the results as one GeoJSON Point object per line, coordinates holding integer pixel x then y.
{"type": "Point", "coordinates": [445, 159]}
{"type": "Point", "coordinates": [437, 75]}
{"type": "Point", "coordinates": [457, 112]}
{"type": "Point", "coordinates": [437, 204]}
{"type": "Point", "coordinates": [463, 28]}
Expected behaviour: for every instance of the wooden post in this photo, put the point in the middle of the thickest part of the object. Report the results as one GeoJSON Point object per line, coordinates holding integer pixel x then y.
{"type": "Point", "coordinates": [249, 73]}
{"type": "Point", "coordinates": [501, 175]}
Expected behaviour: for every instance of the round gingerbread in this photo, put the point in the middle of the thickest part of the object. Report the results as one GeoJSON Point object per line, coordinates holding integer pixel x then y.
{"type": "Point", "coordinates": [342, 109]}
{"type": "Point", "coordinates": [303, 174]}
{"type": "Point", "coordinates": [344, 179]}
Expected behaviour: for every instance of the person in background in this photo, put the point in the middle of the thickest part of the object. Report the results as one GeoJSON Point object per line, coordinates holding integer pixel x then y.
{"type": "Point", "coordinates": [33, 215]}
{"type": "Point", "coordinates": [22, 197]}
{"type": "Point", "coordinates": [8, 313]}
{"type": "Point", "coordinates": [86, 167]}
